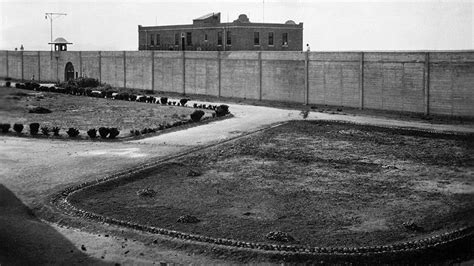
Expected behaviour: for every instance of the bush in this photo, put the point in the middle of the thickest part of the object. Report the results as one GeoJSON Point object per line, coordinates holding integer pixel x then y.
{"type": "Point", "coordinates": [133, 97]}
{"type": "Point", "coordinates": [45, 131]}
{"type": "Point", "coordinates": [189, 219]}
{"type": "Point", "coordinates": [18, 128]}
{"type": "Point", "coordinates": [195, 105]}
{"type": "Point", "coordinates": [222, 110]}
{"type": "Point", "coordinates": [72, 132]}
{"type": "Point", "coordinates": [39, 110]}
{"type": "Point", "coordinates": [146, 192]}
{"type": "Point", "coordinates": [163, 100]}
{"type": "Point", "coordinates": [183, 102]}
{"type": "Point", "coordinates": [8, 84]}
{"type": "Point", "coordinates": [34, 128]}
{"type": "Point", "coordinates": [135, 132]}
{"type": "Point", "coordinates": [197, 115]}
{"type": "Point", "coordinates": [4, 127]}
{"type": "Point", "coordinates": [31, 86]}
{"type": "Point", "coordinates": [279, 236]}
{"type": "Point", "coordinates": [55, 131]}
{"type": "Point", "coordinates": [92, 133]}
{"type": "Point", "coordinates": [104, 132]}
{"type": "Point", "coordinates": [122, 96]}
{"type": "Point", "coordinates": [113, 132]}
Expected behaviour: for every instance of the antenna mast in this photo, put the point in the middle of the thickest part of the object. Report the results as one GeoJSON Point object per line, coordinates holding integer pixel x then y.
{"type": "Point", "coordinates": [51, 17]}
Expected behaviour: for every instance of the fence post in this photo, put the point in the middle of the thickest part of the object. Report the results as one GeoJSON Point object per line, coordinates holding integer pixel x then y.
{"type": "Point", "coordinates": [124, 70]}
{"type": "Point", "coordinates": [361, 81]}
{"type": "Point", "coordinates": [260, 75]}
{"type": "Point", "coordinates": [426, 83]}
{"type": "Point", "coordinates": [219, 73]}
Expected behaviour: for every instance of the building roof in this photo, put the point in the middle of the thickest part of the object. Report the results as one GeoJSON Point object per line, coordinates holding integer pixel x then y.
{"type": "Point", "coordinates": [206, 16]}
{"type": "Point", "coordinates": [60, 40]}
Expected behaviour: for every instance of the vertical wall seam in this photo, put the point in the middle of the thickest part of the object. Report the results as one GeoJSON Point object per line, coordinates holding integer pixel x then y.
{"type": "Point", "coordinates": [22, 66]}
{"type": "Point", "coordinates": [361, 81]}
{"type": "Point", "coordinates": [306, 67]}
{"type": "Point", "coordinates": [39, 66]}
{"type": "Point", "coordinates": [219, 74]}
{"type": "Point", "coordinates": [8, 70]}
{"type": "Point", "coordinates": [426, 83]}
{"type": "Point", "coordinates": [260, 74]}
{"type": "Point", "coordinates": [100, 67]}
{"type": "Point", "coordinates": [124, 69]}
{"type": "Point", "coordinates": [80, 64]}
{"type": "Point", "coordinates": [184, 72]}
{"type": "Point", "coordinates": [153, 70]}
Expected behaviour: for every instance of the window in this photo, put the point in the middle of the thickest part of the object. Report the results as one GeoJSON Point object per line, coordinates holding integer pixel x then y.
{"type": "Point", "coordinates": [219, 38]}
{"type": "Point", "coordinates": [158, 41]}
{"type": "Point", "coordinates": [270, 38]}
{"type": "Point", "coordinates": [284, 39]}
{"type": "Point", "coordinates": [229, 39]}
{"type": "Point", "coordinates": [176, 39]}
{"type": "Point", "coordinates": [256, 38]}
{"type": "Point", "coordinates": [205, 37]}
{"type": "Point", "coordinates": [189, 40]}
{"type": "Point", "coordinates": [152, 39]}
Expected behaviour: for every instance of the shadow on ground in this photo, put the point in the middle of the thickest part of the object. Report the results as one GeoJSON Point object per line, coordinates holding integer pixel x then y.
{"type": "Point", "coordinates": [26, 240]}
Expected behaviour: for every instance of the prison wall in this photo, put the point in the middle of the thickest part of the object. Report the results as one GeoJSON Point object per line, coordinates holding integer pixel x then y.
{"type": "Point", "coordinates": [420, 82]}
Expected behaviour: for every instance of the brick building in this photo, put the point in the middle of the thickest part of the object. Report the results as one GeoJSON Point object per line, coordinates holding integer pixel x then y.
{"type": "Point", "coordinates": [207, 33]}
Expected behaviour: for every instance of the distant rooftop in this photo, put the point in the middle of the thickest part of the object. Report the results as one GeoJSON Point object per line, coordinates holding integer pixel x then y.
{"type": "Point", "coordinates": [207, 16]}
{"type": "Point", "coordinates": [60, 40]}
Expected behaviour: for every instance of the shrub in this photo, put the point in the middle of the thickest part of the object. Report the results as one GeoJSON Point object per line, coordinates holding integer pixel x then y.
{"type": "Point", "coordinates": [34, 128]}
{"type": "Point", "coordinates": [197, 115]}
{"type": "Point", "coordinates": [31, 86]}
{"type": "Point", "coordinates": [55, 131]}
{"type": "Point", "coordinates": [45, 131]}
{"type": "Point", "coordinates": [222, 110]}
{"type": "Point", "coordinates": [195, 105]}
{"type": "Point", "coordinates": [8, 84]}
{"type": "Point", "coordinates": [72, 132]}
{"type": "Point", "coordinates": [279, 236]}
{"type": "Point", "coordinates": [163, 100]}
{"type": "Point", "coordinates": [113, 132]}
{"type": "Point", "coordinates": [135, 132]}
{"type": "Point", "coordinates": [18, 128]}
{"type": "Point", "coordinates": [92, 133]}
{"type": "Point", "coordinates": [104, 132]}
{"type": "Point", "coordinates": [86, 82]}
{"type": "Point", "coordinates": [133, 97]}
{"type": "Point", "coordinates": [4, 127]}
{"type": "Point", "coordinates": [122, 96]}
{"type": "Point", "coordinates": [146, 192]}
{"type": "Point", "coordinates": [183, 101]}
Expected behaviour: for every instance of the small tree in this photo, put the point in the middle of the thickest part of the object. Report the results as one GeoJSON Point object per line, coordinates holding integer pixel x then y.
{"type": "Point", "coordinates": [34, 128]}
{"type": "Point", "coordinates": [72, 132]}
{"type": "Point", "coordinates": [104, 132]}
{"type": "Point", "coordinates": [197, 115]}
{"type": "Point", "coordinates": [55, 131]}
{"type": "Point", "coordinates": [45, 131]}
{"type": "Point", "coordinates": [113, 132]}
{"type": "Point", "coordinates": [5, 127]}
{"type": "Point", "coordinates": [92, 133]}
{"type": "Point", "coordinates": [18, 128]}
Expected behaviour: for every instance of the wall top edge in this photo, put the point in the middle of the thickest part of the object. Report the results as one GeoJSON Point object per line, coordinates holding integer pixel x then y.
{"type": "Point", "coordinates": [345, 51]}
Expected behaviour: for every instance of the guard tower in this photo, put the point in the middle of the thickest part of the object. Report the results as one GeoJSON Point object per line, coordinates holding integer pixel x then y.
{"type": "Point", "coordinates": [60, 44]}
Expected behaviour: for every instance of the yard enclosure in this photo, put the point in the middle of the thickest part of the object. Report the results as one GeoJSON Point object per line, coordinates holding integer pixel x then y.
{"type": "Point", "coordinates": [421, 82]}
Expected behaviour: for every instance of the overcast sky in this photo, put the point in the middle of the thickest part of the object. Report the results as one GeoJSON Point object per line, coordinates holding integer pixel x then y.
{"type": "Point", "coordinates": [328, 25]}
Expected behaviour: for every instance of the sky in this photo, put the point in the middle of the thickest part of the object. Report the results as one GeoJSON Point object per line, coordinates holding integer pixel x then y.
{"type": "Point", "coordinates": [328, 25]}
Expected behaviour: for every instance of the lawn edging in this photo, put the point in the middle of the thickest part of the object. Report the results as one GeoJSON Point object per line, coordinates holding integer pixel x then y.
{"type": "Point", "coordinates": [431, 244]}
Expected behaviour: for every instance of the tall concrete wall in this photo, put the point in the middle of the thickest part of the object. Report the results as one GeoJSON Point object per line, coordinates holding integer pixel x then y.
{"type": "Point", "coordinates": [422, 82]}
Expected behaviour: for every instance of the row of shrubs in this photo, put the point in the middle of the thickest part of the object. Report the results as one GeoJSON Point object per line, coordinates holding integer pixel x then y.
{"type": "Point", "coordinates": [104, 132]}
{"type": "Point", "coordinates": [92, 88]}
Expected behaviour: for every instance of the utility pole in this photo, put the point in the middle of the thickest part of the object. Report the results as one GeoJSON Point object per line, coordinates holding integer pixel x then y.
{"type": "Point", "coordinates": [51, 17]}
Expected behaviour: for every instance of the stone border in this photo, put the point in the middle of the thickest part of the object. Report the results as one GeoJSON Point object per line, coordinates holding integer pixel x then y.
{"type": "Point", "coordinates": [61, 201]}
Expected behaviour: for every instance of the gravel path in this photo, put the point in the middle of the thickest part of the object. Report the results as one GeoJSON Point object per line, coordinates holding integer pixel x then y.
{"type": "Point", "coordinates": [32, 169]}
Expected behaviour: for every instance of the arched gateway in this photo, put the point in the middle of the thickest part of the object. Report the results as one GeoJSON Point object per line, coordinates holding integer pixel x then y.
{"type": "Point", "coordinates": [69, 72]}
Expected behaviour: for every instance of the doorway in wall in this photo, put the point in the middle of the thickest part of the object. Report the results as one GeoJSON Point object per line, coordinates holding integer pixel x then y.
{"type": "Point", "coordinates": [69, 72]}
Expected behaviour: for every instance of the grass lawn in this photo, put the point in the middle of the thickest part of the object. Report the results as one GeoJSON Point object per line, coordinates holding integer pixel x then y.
{"type": "Point", "coordinates": [84, 113]}
{"type": "Point", "coordinates": [324, 183]}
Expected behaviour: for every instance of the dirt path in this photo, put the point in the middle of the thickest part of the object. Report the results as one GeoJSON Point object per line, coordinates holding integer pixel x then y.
{"type": "Point", "coordinates": [32, 169]}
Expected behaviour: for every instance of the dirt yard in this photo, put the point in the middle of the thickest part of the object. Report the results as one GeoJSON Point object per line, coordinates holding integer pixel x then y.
{"type": "Point", "coordinates": [324, 183]}
{"type": "Point", "coordinates": [84, 113]}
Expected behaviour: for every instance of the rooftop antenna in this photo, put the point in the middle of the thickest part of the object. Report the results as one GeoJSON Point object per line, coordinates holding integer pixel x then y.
{"type": "Point", "coordinates": [263, 2]}
{"type": "Point", "coordinates": [51, 16]}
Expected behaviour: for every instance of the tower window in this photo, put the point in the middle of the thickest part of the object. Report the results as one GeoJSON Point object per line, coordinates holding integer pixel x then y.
{"type": "Point", "coordinates": [270, 38]}
{"type": "Point", "coordinates": [152, 39]}
{"type": "Point", "coordinates": [176, 39]}
{"type": "Point", "coordinates": [229, 39]}
{"type": "Point", "coordinates": [256, 38]}
{"type": "Point", "coordinates": [219, 38]}
{"type": "Point", "coordinates": [189, 39]}
{"type": "Point", "coordinates": [284, 39]}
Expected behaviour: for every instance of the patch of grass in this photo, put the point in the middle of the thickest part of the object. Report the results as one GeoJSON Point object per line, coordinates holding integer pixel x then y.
{"type": "Point", "coordinates": [84, 113]}
{"type": "Point", "coordinates": [323, 184]}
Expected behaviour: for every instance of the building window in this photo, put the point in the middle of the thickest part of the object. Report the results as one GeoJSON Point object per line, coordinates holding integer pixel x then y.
{"type": "Point", "coordinates": [205, 37]}
{"type": "Point", "coordinates": [229, 39]}
{"type": "Point", "coordinates": [270, 38]}
{"type": "Point", "coordinates": [189, 40]}
{"type": "Point", "coordinates": [284, 39]}
{"type": "Point", "coordinates": [176, 39]}
{"type": "Point", "coordinates": [152, 39]}
{"type": "Point", "coordinates": [256, 38]}
{"type": "Point", "coordinates": [158, 41]}
{"type": "Point", "coordinates": [219, 38]}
